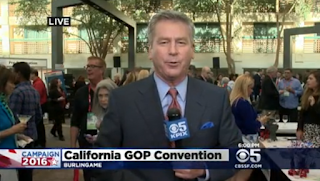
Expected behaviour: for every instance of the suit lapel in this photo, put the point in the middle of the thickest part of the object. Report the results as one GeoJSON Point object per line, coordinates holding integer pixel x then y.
{"type": "Point", "coordinates": [194, 106]}
{"type": "Point", "coordinates": [149, 105]}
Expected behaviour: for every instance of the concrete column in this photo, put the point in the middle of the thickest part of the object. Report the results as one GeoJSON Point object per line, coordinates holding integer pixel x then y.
{"type": "Point", "coordinates": [56, 37]}
{"type": "Point", "coordinates": [287, 49]}
{"type": "Point", "coordinates": [132, 47]}
{"type": "Point", "coordinates": [5, 28]}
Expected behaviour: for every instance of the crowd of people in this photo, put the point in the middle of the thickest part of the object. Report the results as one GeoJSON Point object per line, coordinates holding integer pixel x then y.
{"type": "Point", "coordinates": [129, 111]}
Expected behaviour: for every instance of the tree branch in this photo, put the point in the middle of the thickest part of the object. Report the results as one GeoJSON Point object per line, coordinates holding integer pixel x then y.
{"type": "Point", "coordinates": [220, 28]}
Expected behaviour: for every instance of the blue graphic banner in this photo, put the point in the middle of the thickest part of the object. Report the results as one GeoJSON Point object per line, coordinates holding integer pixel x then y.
{"type": "Point", "coordinates": [253, 158]}
{"type": "Point", "coordinates": [298, 158]}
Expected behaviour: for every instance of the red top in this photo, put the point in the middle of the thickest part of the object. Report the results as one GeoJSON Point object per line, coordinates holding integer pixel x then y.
{"type": "Point", "coordinates": [41, 88]}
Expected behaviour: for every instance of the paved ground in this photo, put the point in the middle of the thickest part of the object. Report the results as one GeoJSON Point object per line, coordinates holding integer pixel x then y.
{"type": "Point", "coordinates": [55, 175]}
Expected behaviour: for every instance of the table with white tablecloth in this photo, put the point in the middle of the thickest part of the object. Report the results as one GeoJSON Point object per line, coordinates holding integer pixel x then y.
{"type": "Point", "coordinates": [284, 142]}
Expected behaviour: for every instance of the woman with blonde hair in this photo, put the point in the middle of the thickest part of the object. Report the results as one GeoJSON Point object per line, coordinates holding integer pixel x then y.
{"type": "Point", "coordinates": [245, 116]}
{"type": "Point", "coordinates": [143, 74]}
{"type": "Point", "coordinates": [131, 77]}
{"type": "Point", "coordinates": [100, 103]}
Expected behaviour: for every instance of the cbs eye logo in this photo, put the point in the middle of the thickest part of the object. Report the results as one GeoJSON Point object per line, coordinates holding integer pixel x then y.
{"type": "Point", "coordinates": [244, 155]}
{"type": "Point", "coordinates": [175, 128]}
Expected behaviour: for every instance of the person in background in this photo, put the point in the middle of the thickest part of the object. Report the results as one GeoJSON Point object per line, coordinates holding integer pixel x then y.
{"type": "Point", "coordinates": [246, 73]}
{"type": "Point", "coordinates": [225, 84]}
{"type": "Point", "coordinates": [130, 78]}
{"type": "Point", "coordinates": [8, 127]}
{"type": "Point", "coordinates": [81, 128]}
{"type": "Point", "coordinates": [219, 79]}
{"type": "Point", "coordinates": [143, 74]}
{"type": "Point", "coordinates": [58, 102]}
{"type": "Point", "coordinates": [38, 84]}
{"type": "Point", "coordinates": [308, 128]}
{"type": "Point", "coordinates": [308, 124]}
{"type": "Point", "coordinates": [299, 77]}
{"type": "Point", "coordinates": [99, 109]}
{"type": "Point", "coordinates": [205, 74]}
{"type": "Point", "coordinates": [232, 78]}
{"type": "Point", "coordinates": [117, 79]}
{"type": "Point", "coordinates": [257, 84]}
{"type": "Point", "coordinates": [25, 100]}
{"type": "Point", "coordinates": [192, 71]}
{"type": "Point", "coordinates": [124, 77]}
{"type": "Point", "coordinates": [9, 131]}
{"type": "Point", "coordinates": [79, 83]}
{"type": "Point", "coordinates": [290, 90]}
{"type": "Point", "coordinates": [245, 116]}
{"type": "Point", "coordinates": [101, 100]}
{"type": "Point", "coordinates": [269, 100]}
{"type": "Point", "coordinates": [279, 77]}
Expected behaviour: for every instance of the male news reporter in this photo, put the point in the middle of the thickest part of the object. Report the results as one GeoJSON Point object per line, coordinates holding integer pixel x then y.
{"type": "Point", "coordinates": [136, 111]}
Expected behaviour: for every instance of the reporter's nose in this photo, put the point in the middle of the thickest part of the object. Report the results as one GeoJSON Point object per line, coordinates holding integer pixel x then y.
{"type": "Point", "coordinates": [173, 49]}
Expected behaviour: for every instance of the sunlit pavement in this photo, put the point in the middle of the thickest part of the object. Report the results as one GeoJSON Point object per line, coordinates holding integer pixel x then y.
{"type": "Point", "coordinates": [54, 174]}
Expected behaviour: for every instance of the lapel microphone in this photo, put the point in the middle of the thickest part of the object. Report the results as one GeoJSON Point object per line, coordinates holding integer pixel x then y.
{"type": "Point", "coordinates": [173, 114]}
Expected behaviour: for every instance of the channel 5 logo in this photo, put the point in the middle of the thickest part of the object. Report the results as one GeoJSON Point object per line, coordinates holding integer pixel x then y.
{"type": "Point", "coordinates": [244, 155]}
{"type": "Point", "coordinates": [177, 129]}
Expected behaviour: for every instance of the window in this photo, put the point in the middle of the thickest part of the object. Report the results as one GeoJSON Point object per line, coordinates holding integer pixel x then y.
{"type": "Point", "coordinates": [316, 6]}
{"type": "Point", "coordinates": [142, 38]}
{"type": "Point", "coordinates": [12, 8]}
{"type": "Point", "coordinates": [265, 31]}
{"type": "Point", "coordinates": [83, 34]}
{"type": "Point", "coordinates": [30, 34]}
{"type": "Point", "coordinates": [265, 38]}
{"type": "Point", "coordinates": [207, 37]}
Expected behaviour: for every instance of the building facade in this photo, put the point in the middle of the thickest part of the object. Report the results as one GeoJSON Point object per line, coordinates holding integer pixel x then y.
{"type": "Point", "coordinates": [254, 47]}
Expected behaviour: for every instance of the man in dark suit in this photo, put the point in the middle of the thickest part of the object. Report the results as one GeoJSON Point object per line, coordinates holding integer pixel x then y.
{"type": "Point", "coordinates": [269, 100]}
{"type": "Point", "coordinates": [205, 74]}
{"type": "Point", "coordinates": [257, 84]}
{"type": "Point", "coordinates": [137, 111]}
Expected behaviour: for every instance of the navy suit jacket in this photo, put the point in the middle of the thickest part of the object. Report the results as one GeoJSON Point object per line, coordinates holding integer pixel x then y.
{"type": "Point", "coordinates": [135, 120]}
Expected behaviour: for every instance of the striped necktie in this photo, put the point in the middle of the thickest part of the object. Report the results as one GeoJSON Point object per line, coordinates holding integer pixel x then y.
{"type": "Point", "coordinates": [174, 104]}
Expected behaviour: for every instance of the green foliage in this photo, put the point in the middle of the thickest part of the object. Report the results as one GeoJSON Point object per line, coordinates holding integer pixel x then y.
{"type": "Point", "coordinates": [32, 14]}
{"type": "Point", "coordinates": [304, 7]}
{"type": "Point", "coordinates": [138, 9]}
{"type": "Point", "coordinates": [100, 30]}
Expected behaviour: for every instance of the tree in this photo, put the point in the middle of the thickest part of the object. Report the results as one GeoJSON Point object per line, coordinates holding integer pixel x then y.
{"type": "Point", "coordinates": [101, 30]}
{"type": "Point", "coordinates": [283, 10]}
{"type": "Point", "coordinates": [225, 10]}
{"type": "Point", "coordinates": [230, 9]}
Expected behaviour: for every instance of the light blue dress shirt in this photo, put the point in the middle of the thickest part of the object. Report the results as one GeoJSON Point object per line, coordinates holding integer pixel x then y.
{"type": "Point", "coordinates": [291, 101]}
{"type": "Point", "coordinates": [165, 98]}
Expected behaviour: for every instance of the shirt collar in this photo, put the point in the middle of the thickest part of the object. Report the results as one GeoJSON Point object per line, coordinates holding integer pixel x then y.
{"type": "Point", "coordinates": [291, 79]}
{"type": "Point", "coordinates": [23, 83]}
{"type": "Point", "coordinates": [163, 88]}
{"type": "Point", "coordinates": [36, 80]}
